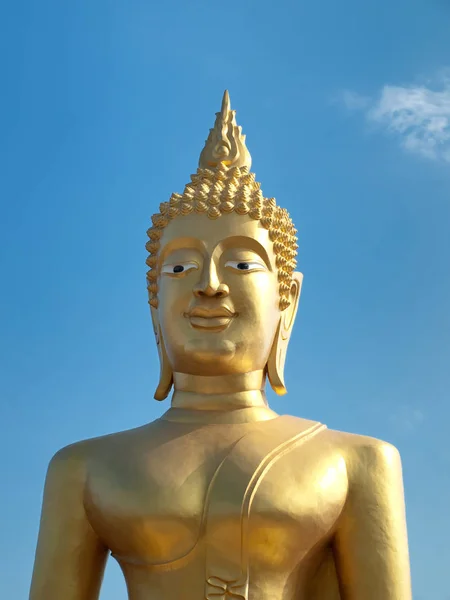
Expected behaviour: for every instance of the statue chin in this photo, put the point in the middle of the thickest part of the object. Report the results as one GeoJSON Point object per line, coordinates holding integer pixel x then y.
{"type": "Point", "coordinates": [210, 351]}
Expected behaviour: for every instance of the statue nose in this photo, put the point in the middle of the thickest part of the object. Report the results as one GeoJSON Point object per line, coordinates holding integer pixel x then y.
{"type": "Point", "coordinates": [211, 291]}
{"type": "Point", "coordinates": [209, 285]}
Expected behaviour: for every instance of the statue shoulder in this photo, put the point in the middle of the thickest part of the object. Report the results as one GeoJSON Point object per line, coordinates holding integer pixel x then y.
{"type": "Point", "coordinates": [364, 445]}
{"type": "Point", "coordinates": [366, 458]}
{"type": "Point", "coordinates": [81, 453]}
{"type": "Point", "coordinates": [361, 454]}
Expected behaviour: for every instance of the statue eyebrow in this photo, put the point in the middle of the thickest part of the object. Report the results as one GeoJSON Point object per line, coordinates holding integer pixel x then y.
{"type": "Point", "coordinates": [193, 243]}
{"type": "Point", "coordinates": [244, 242]}
{"type": "Point", "coordinates": [184, 243]}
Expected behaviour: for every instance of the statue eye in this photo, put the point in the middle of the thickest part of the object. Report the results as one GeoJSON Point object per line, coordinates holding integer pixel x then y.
{"type": "Point", "coordinates": [178, 268]}
{"type": "Point", "coordinates": [246, 265]}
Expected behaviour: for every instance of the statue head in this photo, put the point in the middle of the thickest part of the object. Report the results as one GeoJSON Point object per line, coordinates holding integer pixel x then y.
{"type": "Point", "coordinates": [222, 285]}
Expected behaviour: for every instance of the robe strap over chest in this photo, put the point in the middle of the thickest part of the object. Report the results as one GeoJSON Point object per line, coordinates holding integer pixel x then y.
{"type": "Point", "coordinates": [247, 463]}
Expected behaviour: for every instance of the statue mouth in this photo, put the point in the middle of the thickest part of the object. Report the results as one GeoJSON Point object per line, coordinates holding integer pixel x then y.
{"type": "Point", "coordinates": [212, 319]}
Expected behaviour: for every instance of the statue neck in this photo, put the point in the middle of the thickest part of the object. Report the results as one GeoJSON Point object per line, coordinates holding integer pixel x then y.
{"type": "Point", "coordinates": [225, 398]}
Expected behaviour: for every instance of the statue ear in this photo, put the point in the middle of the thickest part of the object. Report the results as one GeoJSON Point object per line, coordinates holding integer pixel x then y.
{"type": "Point", "coordinates": [165, 370]}
{"type": "Point", "coordinates": [277, 356]}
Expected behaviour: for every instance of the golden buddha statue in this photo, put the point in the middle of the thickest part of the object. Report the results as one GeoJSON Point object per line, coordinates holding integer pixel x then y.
{"type": "Point", "coordinates": [221, 498]}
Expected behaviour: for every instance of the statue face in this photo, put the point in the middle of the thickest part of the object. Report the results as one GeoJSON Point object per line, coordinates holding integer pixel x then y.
{"type": "Point", "coordinates": [218, 294]}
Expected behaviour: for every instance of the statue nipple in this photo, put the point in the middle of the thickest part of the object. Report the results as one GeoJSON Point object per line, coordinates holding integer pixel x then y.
{"type": "Point", "coordinates": [225, 143]}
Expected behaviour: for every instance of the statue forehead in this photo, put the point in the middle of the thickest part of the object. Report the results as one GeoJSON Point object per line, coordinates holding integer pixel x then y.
{"type": "Point", "coordinates": [211, 232]}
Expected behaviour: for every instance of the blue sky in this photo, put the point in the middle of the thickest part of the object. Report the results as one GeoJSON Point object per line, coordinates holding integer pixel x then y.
{"type": "Point", "coordinates": [104, 110]}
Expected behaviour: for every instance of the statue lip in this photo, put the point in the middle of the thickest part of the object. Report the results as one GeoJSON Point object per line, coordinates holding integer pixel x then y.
{"type": "Point", "coordinates": [211, 313]}
{"type": "Point", "coordinates": [213, 319]}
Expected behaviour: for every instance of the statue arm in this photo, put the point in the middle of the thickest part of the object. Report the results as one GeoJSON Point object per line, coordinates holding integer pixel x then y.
{"type": "Point", "coordinates": [371, 546]}
{"type": "Point", "coordinates": [70, 558]}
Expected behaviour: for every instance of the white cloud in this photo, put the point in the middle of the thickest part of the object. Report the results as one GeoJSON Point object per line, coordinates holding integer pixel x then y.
{"type": "Point", "coordinates": [418, 116]}
{"type": "Point", "coordinates": [407, 419]}
{"type": "Point", "coordinates": [354, 101]}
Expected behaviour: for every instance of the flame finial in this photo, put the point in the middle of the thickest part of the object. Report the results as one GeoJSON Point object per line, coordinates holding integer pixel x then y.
{"type": "Point", "coordinates": [225, 143]}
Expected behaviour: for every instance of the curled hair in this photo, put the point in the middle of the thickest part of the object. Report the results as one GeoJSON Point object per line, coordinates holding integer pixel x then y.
{"type": "Point", "coordinates": [219, 191]}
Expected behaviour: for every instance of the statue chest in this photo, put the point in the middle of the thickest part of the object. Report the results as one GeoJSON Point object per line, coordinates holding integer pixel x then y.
{"type": "Point", "coordinates": [219, 488]}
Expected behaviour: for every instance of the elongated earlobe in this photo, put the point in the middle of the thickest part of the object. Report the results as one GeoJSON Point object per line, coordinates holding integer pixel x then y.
{"type": "Point", "coordinates": [278, 353]}
{"type": "Point", "coordinates": [165, 370]}
{"type": "Point", "coordinates": [275, 365]}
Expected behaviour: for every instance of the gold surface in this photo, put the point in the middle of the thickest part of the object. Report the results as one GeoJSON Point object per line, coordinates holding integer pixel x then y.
{"type": "Point", "coordinates": [221, 498]}
{"type": "Point", "coordinates": [225, 143]}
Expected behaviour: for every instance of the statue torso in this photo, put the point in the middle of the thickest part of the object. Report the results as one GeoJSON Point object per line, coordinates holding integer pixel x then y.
{"type": "Point", "coordinates": [157, 499]}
